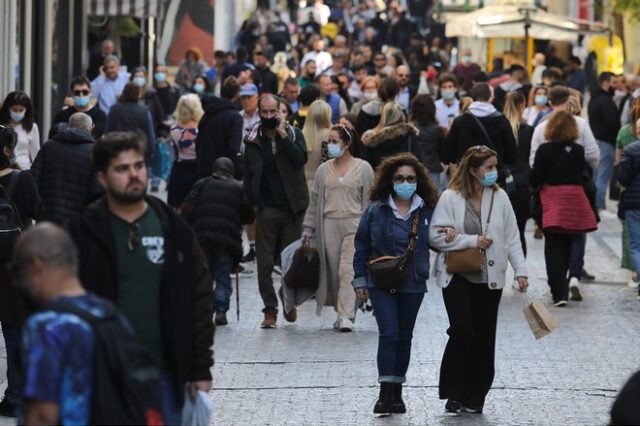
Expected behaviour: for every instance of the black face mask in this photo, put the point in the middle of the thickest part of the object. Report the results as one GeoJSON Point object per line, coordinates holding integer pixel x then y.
{"type": "Point", "coordinates": [612, 91]}
{"type": "Point", "coordinates": [269, 123]}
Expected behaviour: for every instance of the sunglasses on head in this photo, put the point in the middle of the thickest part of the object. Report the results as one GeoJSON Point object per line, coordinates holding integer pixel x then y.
{"type": "Point", "coordinates": [134, 236]}
{"type": "Point", "coordinates": [84, 92]}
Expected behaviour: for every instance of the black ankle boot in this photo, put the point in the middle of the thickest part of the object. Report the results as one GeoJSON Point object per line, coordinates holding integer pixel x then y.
{"type": "Point", "coordinates": [383, 405]}
{"type": "Point", "coordinates": [397, 404]}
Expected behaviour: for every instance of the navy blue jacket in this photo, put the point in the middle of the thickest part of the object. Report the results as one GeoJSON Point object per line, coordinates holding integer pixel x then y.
{"type": "Point", "coordinates": [375, 238]}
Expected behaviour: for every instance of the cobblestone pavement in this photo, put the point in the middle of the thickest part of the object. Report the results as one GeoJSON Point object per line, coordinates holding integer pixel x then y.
{"type": "Point", "coordinates": [307, 374]}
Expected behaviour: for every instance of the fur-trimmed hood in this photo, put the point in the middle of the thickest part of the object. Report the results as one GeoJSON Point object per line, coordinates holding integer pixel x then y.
{"type": "Point", "coordinates": [373, 138]}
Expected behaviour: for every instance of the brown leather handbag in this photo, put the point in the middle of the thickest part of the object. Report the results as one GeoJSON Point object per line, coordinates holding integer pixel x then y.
{"type": "Point", "coordinates": [470, 260]}
{"type": "Point", "coordinates": [390, 272]}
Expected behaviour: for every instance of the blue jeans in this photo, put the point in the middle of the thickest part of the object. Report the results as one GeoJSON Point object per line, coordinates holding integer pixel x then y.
{"type": "Point", "coordinates": [396, 316]}
{"type": "Point", "coordinates": [576, 264]}
{"type": "Point", "coordinates": [171, 410]}
{"type": "Point", "coordinates": [633, 223]}
{"type": "Point", "coordinates": [12, 340]}
{"type": "Point", "coordinates": [604, 172]}
{"type": "Point", "coordinates": [220, 265]}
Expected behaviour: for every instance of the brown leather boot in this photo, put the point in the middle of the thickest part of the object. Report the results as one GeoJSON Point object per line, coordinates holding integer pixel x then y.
{"type": "Point", "coordinates": [270, 318]}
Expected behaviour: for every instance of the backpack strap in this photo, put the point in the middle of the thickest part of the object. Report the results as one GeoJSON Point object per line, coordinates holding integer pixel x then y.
{"type": "Point", "coordinates": [70, 308]}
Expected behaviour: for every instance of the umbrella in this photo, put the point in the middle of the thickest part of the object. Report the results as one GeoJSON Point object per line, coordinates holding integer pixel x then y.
{"type": "Point", "coordinates": [238, 296]}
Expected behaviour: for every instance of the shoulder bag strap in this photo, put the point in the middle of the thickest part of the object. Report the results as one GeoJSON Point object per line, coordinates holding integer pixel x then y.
{"type": "Point", "coordinates": [414, 229]}
{"type": "Point", "coordinates": [493, 195]}
{"type": "Point", "coordinates": [484, 130]}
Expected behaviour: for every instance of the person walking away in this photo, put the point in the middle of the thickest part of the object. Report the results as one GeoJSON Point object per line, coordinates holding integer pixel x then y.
{"type": "Point", "coordinates": [108, 86]}
{"type": "Point", "coordinates": [315, 132]}
{"type": "Point", "coordinates": [220, 131]}
{"type": "Point", "coordinates": [22, 192]}
{"type": "Point", "coordinates": [83, 102]}
{"type": "Point", "coordinates": [338, 198]}
{"type": "Point", "coordinates": [474, 213]}
{"type": "Point", "coordinates": [448, 106]}
{"type": "Point", "coordinates": [137, 253]}
{"type": "Point", "coordinates": [59, 348]}
{"type": "Point", "coordinates": [605, 123]}
{"type": "Point", "coordinates": [481, 122]}
{"type": "Point", "coordinates": [216, 210]}
{"type": "Point", "coordinates": [184, 138]}
{"type": "Point", "coordinates": [128, 115]}
{"type": "Point", "coordinates": [430, 137]}
{"type": "Point", "coordinates": [274, 182]}
{"type": "Point", "coordinates": [401, 196]}
{"type": "Point", "coordinates": [515, 83]}
{"type": "Point", "coordinates": [559, 170]}
{"type": "Point", "coordinates": [514, 105]}
{"type": "Point", "coordinates": [17, 113]}
{"type": "Point", "coordinates": [64, 174]}
{"type": "Point", "coordinates": [630, 203]}
{"type": "Point", "coordinates": [391, 136]}
{"type": "Point", "coordinates": [535, 113]}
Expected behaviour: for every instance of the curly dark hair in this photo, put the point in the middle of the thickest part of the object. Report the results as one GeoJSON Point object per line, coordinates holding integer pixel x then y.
{"type": "Point", "coordinates": [383, 186]}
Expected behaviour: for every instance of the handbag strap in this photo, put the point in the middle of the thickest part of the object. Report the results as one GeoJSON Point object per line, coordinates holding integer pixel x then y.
{"type": "Point", "coordinates": [493, 194]}
{"type": "Point", "coordinates": [414, 228]}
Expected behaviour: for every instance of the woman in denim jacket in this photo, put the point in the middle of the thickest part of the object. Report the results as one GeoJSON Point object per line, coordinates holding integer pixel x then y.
{"type": "Point", "coordinates": [402, 190]}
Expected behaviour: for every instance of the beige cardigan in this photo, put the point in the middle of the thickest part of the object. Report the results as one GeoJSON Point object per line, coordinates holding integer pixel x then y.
{"type": "Point", "coordinates": [503, 230]}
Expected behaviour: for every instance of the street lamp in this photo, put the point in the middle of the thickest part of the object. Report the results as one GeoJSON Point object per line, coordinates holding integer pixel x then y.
{"type": "Point", "coordinates": [527, 11]}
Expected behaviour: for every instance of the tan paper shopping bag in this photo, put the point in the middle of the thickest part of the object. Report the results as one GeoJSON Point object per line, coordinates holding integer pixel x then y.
{"type": "Point", "coordinates": [539, 318]}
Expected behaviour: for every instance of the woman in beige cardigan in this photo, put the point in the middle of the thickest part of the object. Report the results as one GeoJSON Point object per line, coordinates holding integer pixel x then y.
{"type": "Point", "coordinates": [338, 198]}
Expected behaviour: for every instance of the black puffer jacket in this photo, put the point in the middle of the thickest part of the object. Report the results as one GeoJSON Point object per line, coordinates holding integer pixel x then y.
{"type": "Point", "coordinates": [219, 135]}
{"type": "Point", "coordinates": [431, 140]}
{"type": "Point", "coordinates": [628, 176]}
{"type": "Point", "coordinates": [215, 209]}
{"type": "Point", "coordinates": [604, 118]}
{"type": "Point", "coordinates": [394, 139]}
{"type": "Point", "coordinates": [65, 177]}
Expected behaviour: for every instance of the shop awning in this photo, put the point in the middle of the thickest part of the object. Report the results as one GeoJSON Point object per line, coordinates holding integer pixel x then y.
{"type": "Point", "coordinates": [508, 21]}
{"type": "Point", "coordinates": [134, 8]}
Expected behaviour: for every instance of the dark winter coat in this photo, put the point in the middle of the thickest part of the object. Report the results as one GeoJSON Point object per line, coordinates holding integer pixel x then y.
{"type": "Point", "coordinates": [219, 135]}
{"type": "Point", "coordinates": [133, 117]}
{"type": "Point", "coordinates": [97, 115]}
{"type": "Point", "coordinates": [431, 140]}
{"type": "Point", "coordinates": [604, 118]}
{"type": "Point", "coordinates": [628, 177]}
{"type": "Point", "coordinates": [186, 294]}
{"type": "Point", "coordinates": [216, 210]}
{"type": "Point", "coordinates": [394, 139]}
{"type": "Point", "coordinates": [65, 176]}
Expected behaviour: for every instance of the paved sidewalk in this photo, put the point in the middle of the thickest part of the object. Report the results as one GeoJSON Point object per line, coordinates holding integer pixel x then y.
{"type": "Point", "coordinates": [307, 374]}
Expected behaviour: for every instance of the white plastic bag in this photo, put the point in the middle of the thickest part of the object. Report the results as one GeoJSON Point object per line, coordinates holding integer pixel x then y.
{"type": "Point", "coordinates": [198, 412]}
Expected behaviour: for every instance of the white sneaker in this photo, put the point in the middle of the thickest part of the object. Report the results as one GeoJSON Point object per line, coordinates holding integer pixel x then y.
{"type": "Point", "coordinates": [345, 325]}
{"type": "Point", "coordinates": [574, 290]}
{"type": "Point", "coordinates": [606, 214]}
{"type": "Point", "coordinates": [632, 283]}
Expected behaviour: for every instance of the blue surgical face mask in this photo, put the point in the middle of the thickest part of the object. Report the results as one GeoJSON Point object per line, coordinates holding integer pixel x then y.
{"type": "Point", "coordinates": [139, 81]}
{"type": "Point", "coordinates": [160, 77]}
{"type": "Point", "coordinates": [81, 101]}
{"type": "Point", "coordinates": [541, 99]}
{"type": "Point", "coordinates": [334, 150]}
{"type": "Point", "coordinates": [489, 178]}
{"type": "Point", "coordinates": [198, 87]}
{"type": "Point", "coordinates": [405, 190]}
{"type": "Point", "coordinates": [448, 94]}
{"type": "Point", "coordinates": [466, 59]}
{"type": "Point", "coordinates": [16, 116]}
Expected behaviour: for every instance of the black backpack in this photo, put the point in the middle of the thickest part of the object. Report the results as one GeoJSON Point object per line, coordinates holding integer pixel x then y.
{"type": "Point", "coordinates": [10, 222]}
{"type": "Point", "coordinates": [126, 381]}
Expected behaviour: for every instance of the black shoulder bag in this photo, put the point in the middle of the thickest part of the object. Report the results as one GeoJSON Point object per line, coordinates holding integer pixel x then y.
{"type": "Point", "coordinates": [390, 272]}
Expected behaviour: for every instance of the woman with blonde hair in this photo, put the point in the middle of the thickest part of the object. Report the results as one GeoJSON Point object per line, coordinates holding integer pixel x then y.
{"type": "Point", "coordinates": [281, 69]}
{"type": "Point", "coordinates": [474, 213]}
{"type": "Point", "coordinates": [392, 135]}
{"type": "Point", "coordinates": [514, 105]}
{"type": "Point", "coordinates": [315, 131]}
{"type": "Point", "coordinates": [184, 136]}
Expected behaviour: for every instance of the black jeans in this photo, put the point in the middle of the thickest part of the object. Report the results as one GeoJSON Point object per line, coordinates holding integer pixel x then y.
{"type": "Point", "coordinates": [467, 369]}
{"type": "Point", "coordinates": [576, 264]}
{"type": "Point", "coordinates": [275, 230]}
{"type": "Point", "coordinates": [557, 256]}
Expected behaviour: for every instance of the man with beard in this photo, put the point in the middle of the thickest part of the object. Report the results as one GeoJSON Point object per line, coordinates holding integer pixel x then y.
{"type": "Point", "coordinates": [274, 182]}
{"type": "Point", "coordinates": [136, 252]}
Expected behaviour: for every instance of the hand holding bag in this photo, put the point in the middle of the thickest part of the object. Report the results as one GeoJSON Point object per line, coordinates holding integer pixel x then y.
{"type": "Point", "coordinates": [305, 269]}
{"type": "Point", "coordinates": [469, 260]}
{"type": "Point", "coordinates": [390, 272]}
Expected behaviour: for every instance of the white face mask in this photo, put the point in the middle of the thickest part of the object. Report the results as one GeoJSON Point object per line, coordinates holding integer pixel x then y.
{"type": "Point", "coordinates": [370, 95]}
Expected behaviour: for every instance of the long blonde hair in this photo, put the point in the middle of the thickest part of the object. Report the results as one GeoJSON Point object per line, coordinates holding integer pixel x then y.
{"type": "Point", "coordinates": [392, 113]}
{"type": "Point", "coordinates": [189, 109]}
{"type": "Point", "coordinates": [512, 104]}
{"type": "Point", "coordinates": [317, 124]}
{"type": "Point", "coordinates": [463, 181]}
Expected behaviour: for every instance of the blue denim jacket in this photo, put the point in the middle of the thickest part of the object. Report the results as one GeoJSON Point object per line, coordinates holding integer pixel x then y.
{"type": "Point", "coordinates": [375, 238]}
